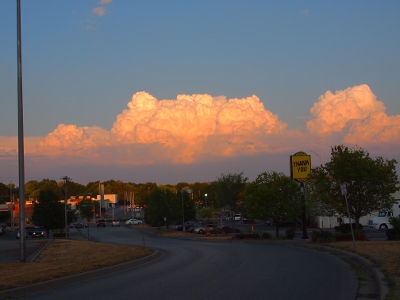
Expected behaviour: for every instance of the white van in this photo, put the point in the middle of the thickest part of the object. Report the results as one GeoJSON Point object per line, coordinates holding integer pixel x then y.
{"type": "Point", "coordinates": [381, 221]}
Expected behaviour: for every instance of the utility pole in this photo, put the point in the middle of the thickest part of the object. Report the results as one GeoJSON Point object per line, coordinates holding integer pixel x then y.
{"type": "Point", "coordinates": [66, 180]}
{"type": "Point", "coordinates": [12, 207]}
{"type": "Point", "coordinates": [21, 150]}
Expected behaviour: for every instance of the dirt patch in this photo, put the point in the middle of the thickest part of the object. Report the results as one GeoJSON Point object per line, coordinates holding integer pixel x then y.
{"type": "Point", "coordinates": [67, 257]}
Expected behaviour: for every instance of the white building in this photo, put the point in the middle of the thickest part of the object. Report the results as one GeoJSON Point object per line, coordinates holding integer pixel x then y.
{"type": "Point", "coordinates": [109, 199]}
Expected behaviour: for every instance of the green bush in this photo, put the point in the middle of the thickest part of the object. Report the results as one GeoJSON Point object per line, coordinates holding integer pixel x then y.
{"type": "Point", "coordinates": [391, 234]}
{"type": "Point", "coordinates": [322, 236]}
{"type": "Point", "coordinates": [266, 235]}
{"type": "Point", "coordinates": [359, 235]}
{"type": "Point", "coordinates": [282, 237]}
{"type": "Point", "coordinates": [290, 233]}
{"type": "Point", "coordinates": [346, 227]}
{"type": "Point", "coordinates": [346, 236]}
{"type": "Point", "coordinates": [240, 236]}
{"type": "Point", "coordinates": [395, 222]}
{"type": "Point", "coordinates": [315, 235]}
{"type": "Point", "coordinates": [325, 237]}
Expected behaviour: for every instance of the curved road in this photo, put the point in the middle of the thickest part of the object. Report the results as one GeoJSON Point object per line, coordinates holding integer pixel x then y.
{"type": "Point", "coordinates": [215, 270]}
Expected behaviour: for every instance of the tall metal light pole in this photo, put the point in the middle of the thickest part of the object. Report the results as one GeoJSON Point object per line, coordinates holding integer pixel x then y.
{"type": "Point", "coordinates": [319, 156]}
{"type": "Point", "coordinates": [205, 196]}
{"type": "Point", "coordinates": [12, 207]}
{"type": "Point", "coordinates": [183, 212]}
{"type": "Point", "coordinates": [66, 180]}
{"type": "Point", "coordinates": [21, 153]}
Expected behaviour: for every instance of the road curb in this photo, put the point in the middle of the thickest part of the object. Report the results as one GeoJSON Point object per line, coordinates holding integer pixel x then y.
{"type": "Point", "coordinates": [59, 282]}
{"type": "Point", "coordinates": [375, 271]}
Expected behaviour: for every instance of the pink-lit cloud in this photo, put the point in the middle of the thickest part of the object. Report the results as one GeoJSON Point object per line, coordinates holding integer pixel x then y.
{"type": "Point", "coordinates": [333, 110]}
{"type": "Point", "coordinates": [202, 129]}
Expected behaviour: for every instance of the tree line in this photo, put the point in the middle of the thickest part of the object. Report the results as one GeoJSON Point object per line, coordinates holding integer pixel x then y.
{"type": "Point", "coordinates": [272, 196]}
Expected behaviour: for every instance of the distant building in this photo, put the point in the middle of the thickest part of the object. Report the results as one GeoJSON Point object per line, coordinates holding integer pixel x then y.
{"type": "Point", "coordinates": [109, 199]}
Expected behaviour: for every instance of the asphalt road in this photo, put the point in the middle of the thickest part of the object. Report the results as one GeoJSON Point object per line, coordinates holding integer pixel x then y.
{"type": "Point", "coordinates": [200, 270]}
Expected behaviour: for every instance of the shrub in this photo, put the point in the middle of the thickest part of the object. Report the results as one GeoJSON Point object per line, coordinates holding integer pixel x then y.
{"type": "Point", "coordinates": [346, 236]}
{"type": "Point", "coordinates": [346, 227]}
{"type": "Point", "coordinates": [266, 235]}
{"type": "Point", "coordinates": [240, 236]}
{"type": "Point", "coordinates": [325, 237]}
{"type": "Point", "coordinates": [359, 235]}
{"type": "Point", "coordinates": [315, 235]}
{"type": "Point", "coordinates": [290, 233]}
{"type": "Point", "coordinates": [281, 237]}
{"type": "Point", "coordinates": [228, 229]}
{"type": "Point", "coordinates": [395, 222]}
{"type": "Point", "coordinates": [391, 234]}
{"type": "Point", "coordinates": [322, 236]}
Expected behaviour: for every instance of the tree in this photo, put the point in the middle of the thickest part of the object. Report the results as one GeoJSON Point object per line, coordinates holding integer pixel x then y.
{"type": "Point", "coordinates": [86, 208]}
{"type": "Point", "coordinates": [163, 204]}
{"type": "Point", "coordinates": [230, 191]}
{"type": "Point", "coordinates": [369, 182]}
{"type": "Point", "coordinates": [273, 196]}
{"type": "Point", "coordinates": [188, 206]}
{"type": "Point", "coordinates": [48, 212]}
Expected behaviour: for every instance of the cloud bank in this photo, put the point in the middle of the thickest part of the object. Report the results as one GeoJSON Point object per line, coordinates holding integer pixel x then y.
{"type": "Point", "coordinates": [202, 129]}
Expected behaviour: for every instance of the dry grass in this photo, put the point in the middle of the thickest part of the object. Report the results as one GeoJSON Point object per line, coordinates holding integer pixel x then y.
{"type": "Point", "coordinates": [385, 254]}
{"type": "Point", "coordinates": [67, 257]}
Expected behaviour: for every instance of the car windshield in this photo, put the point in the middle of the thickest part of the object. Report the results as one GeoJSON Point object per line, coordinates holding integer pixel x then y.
{"type": "Point", "coordinates": [382, 213]}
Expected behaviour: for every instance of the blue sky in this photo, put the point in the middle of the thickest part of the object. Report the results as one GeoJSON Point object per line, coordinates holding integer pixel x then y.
{"type": "Point", "coordinates": [83, 61]}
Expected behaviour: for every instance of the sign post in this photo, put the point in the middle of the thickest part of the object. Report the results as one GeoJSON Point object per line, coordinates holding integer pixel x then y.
{"type": "Point", "coordinates": [300, 167]}
{"type": "Point", "coordinates": [343, 189]}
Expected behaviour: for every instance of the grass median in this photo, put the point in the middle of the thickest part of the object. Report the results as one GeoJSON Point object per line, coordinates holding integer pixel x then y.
{"type": "Point", "coordinates": [67, 257]}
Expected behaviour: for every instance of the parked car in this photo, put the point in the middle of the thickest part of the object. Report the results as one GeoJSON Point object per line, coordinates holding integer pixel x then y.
{"type": "Point", "coordinates": [192, 228]}
{"type": "Point", "coordinates": [101, 222]}
{"type": "Point", "coordinates": [115, 223]}
{"type": "Point", "coordinates": [133, 222]}
{"type": "Point", "coordinates": [77, 225]}
{"type": "Point", "coordinates": [205, 228]}
{"type": "Point", "coordinates": [37, 232]}
{"type": "Point", "coordinates": [236, 217]}
{"type": "Point", "coordinates": [176, 226]}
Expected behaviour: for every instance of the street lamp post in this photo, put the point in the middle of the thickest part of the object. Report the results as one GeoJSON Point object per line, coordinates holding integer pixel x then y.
{"type": "Point", "coordinates": [319, 156]}
{"type": "Point", "coordinates": [205, 196]}
{"type": "Point", "coordinates": [12, 207]}
{"type": "Point", "coordinates": [183, 212]}
{"type": "Point", "coordinates": [66, 180]}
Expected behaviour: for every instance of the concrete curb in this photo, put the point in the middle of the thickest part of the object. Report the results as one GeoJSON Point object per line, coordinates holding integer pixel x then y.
{"type": "Point", "coordinates": [378, 275]}
{"type": "Point", "coordinates": [34, 255]}
{"type": "Point", "coordinates": [59, 282]}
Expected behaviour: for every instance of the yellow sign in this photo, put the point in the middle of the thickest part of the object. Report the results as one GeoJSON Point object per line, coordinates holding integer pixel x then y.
{"type": "Point", "coordinates": [300, 166]}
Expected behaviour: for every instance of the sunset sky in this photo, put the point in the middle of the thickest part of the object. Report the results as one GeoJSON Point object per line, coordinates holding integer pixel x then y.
{"type": "Point", "coordinates": [170, 91]}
